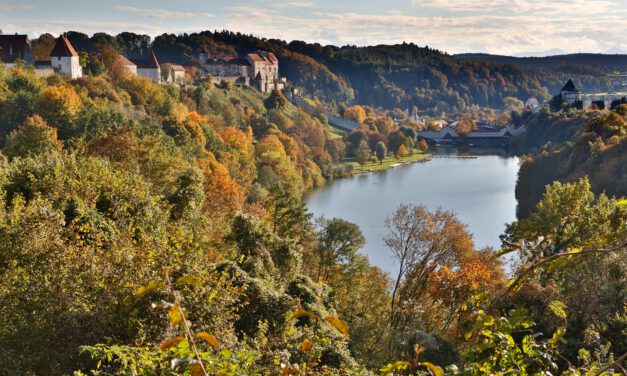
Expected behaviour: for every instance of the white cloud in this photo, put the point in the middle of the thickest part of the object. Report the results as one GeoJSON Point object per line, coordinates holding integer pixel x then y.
{"type": "Point", "coordinates": [6, 7]}
{"type": "Point", "coordinates": [293, 4]}
{"type": "Point", "coordinates": [538, 29]}
{"type": "Point", "coordinates": [544, 7]}
{"type": "Point", "coordinates": [163, 14]}
{"type": "Point", "coordinates": [541, 29]}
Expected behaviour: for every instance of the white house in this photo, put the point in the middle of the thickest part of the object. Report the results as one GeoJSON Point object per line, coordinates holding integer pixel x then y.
{"type": "Point", "coordinates": [122, 61]}
{"type": "Point", "coordinates": [149, 67]}
{"type": "Point", "coordinates": [177, 73]}
{"type": "Point", "coordinates": [64, 59]}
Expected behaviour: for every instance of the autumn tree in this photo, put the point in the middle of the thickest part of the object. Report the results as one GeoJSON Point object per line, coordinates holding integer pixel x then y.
{"type": "Point", "coordinates": [59, 106]}
{"type": "Point", "coordinates": [422, 145]}
{"type": "Point", "coordinates": [355, 113]}
{"type": "Point", "coordinates": [396, 139]}
{"type": "Point", "coordinates": [401, 152]}
{"type": "Point", "coordinates": [421, 243]}
{"type": "Point", "coordinates": [465, 126]}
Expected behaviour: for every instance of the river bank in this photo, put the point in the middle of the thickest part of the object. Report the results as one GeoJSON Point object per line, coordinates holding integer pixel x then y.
{"type": "Point", "coordinates": [354, 168]}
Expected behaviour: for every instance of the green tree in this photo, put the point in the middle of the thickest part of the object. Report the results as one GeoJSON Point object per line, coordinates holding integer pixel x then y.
{"type": "Point", "coordinates": [32, 137]}
{"type": "Point", "coordinates": [338, 243]}
{"type": "Point", "coordinates": [381, 151]}
{"type": "Point", "coordinates": [276, 101]}
{"type": "Point", "coordinates": [362, 153]}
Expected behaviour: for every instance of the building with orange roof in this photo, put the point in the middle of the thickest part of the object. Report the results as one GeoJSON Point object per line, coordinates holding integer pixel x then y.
{"type": "Point", "coordinates": [64, 59]}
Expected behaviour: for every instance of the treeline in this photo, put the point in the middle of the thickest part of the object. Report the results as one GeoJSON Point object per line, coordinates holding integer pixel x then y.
{"type": "Point", "coordinates": [594, 63]}
{"type": "Point", "coordinates": [394, 76]}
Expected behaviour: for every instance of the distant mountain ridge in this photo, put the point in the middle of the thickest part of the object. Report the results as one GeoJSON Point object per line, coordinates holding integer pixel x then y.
{"type": "Point", "coordinates": [605, 62]}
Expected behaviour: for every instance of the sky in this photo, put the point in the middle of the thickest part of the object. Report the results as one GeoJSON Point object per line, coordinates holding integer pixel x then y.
{"type": "Point", "coordinates": [507, 27]}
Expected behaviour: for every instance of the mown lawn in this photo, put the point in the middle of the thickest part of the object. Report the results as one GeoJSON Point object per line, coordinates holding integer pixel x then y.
{"type": "Point", "coordinates": [388, 162]}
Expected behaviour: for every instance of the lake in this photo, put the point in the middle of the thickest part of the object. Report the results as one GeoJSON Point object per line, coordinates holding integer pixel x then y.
{"type": "Point", "coordinates": [479, 190]}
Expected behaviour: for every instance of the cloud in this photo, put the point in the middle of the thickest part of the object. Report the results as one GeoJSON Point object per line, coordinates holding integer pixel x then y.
{"type": "Point", "coordinates": [6, 7]}
{"type": "Point", "coordinates": [293, 4]}
{"type": "Point", "coordinates": [537, 29]}
{"type": "Point", "coordinates": [511, 7]}
{"type": "Point", "coordinates": [541, 27]}
{"type": "Point", "coordinates": [163, 14]}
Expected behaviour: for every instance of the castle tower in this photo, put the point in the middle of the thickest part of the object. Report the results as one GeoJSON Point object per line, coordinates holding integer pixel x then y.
{"type": "Point", "coordinates": [64, 59]}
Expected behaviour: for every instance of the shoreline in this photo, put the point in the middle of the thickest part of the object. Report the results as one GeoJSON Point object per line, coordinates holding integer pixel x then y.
{"type": "Point", "coordinates": [386, 164]}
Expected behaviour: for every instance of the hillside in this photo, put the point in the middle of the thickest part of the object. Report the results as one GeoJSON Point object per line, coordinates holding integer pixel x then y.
{"type": "Point", "coordinates": [386, 76]}
{"type": "Point", "coordinates": [570, 145]}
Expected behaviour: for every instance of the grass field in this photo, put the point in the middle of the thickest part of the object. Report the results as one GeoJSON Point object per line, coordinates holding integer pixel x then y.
{"type": "Point", "coordinates": [388, 162]}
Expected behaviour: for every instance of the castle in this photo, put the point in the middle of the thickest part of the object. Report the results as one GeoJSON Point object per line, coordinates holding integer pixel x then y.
{"type": "Point", "coordinates": [259, 69]}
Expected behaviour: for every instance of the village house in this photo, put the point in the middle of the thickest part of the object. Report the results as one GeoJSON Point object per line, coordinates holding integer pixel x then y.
{"type": "Point", "coordinates": [148, 67]}
{"type": "Point", "coordinates": [176, 74]}
{"type": "Point", "coordinates": [259, 69]}
{"type": "Point", "coordinates": [570, 93]}
{"type": "Point", "coordinates": [64, 59]}
{"type": "Point", "coordinates": [125, 63]}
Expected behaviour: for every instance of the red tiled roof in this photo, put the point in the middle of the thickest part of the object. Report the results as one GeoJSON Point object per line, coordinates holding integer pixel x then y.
{"type": "Point", "coordinates": [256, 57]}
{"type": "Point", "coordinates": [272, 57]}
{"type": "Point", "coordinates": [63, 48]}
{"type": "Point", "coordinates": [178, 68]}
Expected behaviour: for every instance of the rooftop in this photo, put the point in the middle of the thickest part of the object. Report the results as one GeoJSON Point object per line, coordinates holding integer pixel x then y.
{"type": "Point", "coordinates": [63, 48]}
{"type": "Point", "coordinates": [13, 47]}
{"type": "Point", "coordinates": [149, 63]}
{"type": "Point", "coordinates": [570, 86]}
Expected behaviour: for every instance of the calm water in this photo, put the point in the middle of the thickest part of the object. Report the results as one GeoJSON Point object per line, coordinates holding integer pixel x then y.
{"type": "Point", "coordinates": [480, 191]}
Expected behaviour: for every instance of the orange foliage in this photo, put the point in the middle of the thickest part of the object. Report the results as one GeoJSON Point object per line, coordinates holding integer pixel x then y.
{"type": "Point", "coordinates": [355, 113]}
{"type": "Point", "coordinates": [222, 194]}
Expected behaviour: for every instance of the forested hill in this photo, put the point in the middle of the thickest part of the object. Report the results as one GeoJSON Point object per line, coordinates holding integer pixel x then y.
{"type": "Point", "coordinates": [388, 76]}
{"type": "Point", "coordinates": [606, 63]}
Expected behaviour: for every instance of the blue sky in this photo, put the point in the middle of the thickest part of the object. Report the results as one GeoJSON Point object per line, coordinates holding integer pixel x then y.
{"type": "Point", "coordinates": [513, 27]}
